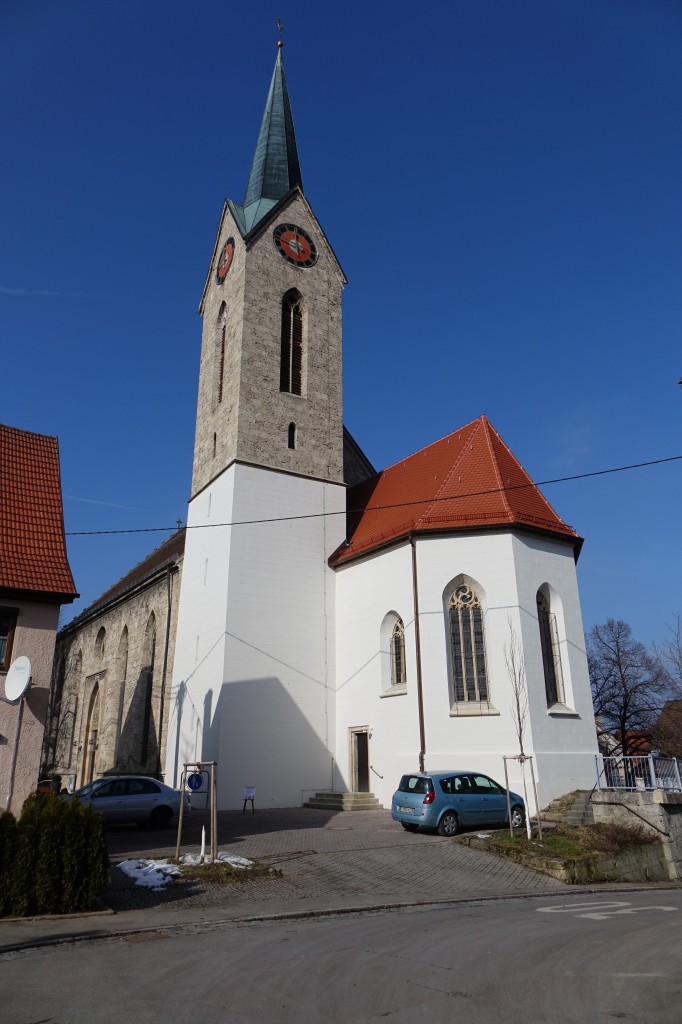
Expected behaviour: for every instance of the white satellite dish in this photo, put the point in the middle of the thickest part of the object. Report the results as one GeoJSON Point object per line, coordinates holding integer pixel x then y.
{"type": "Point", "coordinates": [18, 679]}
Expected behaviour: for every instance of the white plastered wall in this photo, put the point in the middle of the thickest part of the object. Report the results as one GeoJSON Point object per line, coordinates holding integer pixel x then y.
{"type": "Point", "coordinates": [256, 689]}
{"type": "Point", "coordinates": [508, 570]}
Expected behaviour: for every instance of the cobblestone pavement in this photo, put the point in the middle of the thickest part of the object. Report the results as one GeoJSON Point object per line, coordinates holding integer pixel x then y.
{"type": "Point", "coordinates": [322, 855]}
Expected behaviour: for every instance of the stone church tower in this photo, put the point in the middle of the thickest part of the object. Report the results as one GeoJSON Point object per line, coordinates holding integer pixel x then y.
{"type": "Point", "coordinates": [252, 682]}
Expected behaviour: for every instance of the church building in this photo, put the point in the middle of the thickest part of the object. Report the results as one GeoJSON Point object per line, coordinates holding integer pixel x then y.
{"type": "Point", "coordinates": [335, 627]}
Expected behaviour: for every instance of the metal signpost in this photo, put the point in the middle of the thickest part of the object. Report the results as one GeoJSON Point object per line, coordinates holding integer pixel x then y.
{"type": "Point", "coordinates": [192, 777]}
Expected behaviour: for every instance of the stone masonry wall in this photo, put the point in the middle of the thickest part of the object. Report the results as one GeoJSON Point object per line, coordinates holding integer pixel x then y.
{"type": "Point", "coordinates": [658, 810]}
{"type": "Point", "coordinates": [251, 421]}
{"type": "Point", "coordinates": [102, 682]}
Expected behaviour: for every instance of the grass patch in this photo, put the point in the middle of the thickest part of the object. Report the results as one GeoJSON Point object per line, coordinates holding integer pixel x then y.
{"type": "Point", "coordinates": [572, 842]}
{"type": "Point", "coordinates": [223, 873]}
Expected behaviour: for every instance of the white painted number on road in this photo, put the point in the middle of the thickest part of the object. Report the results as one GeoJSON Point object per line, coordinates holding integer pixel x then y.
{"type": "Point", "coordinates": [598, 911]}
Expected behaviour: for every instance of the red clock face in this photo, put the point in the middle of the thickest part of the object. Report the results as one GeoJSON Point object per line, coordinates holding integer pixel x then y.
{"type": "Point", "coordinates": [295, 245]}
{"type": "Point", "coordinates": [225, 260]}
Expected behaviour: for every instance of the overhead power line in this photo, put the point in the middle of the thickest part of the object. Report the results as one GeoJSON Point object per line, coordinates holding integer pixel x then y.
{"type": "Point", "coordinates": [379, 508]}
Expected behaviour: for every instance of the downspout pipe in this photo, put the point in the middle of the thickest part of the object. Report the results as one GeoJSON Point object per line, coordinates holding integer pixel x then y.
{"type": "Point", "coordinates": [417, 640]}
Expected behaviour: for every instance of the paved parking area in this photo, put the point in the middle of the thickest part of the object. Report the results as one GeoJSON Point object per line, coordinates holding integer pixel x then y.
{"type": "Point", "coordinates": [324, 857]}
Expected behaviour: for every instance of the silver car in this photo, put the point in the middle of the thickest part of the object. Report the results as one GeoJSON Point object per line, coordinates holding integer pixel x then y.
{"type": "Point", "coordinates": [133, 799]}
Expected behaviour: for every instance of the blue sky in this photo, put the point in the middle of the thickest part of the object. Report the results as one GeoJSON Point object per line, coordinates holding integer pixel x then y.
{"type": "Point", "coordinates": [500, 181]}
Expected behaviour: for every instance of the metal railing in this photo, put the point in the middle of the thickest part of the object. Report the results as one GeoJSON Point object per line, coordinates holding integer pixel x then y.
{"type": "Point", "coordinates": [642, 772]}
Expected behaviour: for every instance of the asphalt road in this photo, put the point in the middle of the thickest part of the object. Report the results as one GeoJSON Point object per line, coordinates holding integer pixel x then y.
{"type": "Point", "coordinates": [556, 959]}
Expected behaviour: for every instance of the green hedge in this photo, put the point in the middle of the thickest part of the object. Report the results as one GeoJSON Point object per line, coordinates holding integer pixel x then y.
{"type": "Point", "coordinates": [53, 860]}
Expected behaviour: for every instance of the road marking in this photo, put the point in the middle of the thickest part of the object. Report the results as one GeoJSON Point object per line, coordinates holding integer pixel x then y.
{"type": "Point", "coordinates": [599, 911]}
{"type": "Point", "coordinates": [632, 910]}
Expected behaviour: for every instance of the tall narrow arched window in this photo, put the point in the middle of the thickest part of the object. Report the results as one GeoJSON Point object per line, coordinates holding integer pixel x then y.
{"type": "Point", "coordinates": [221, 360]}
{"type": "Point", "coordinates": [551, 657]}
{"type": "Point", "coordinates": [467, 648]}
{"type": "Point", "coordinates": [147, 681]}
{"type": "Point", "coordinates": [398, 676]}
{"type": "Point", "coordinates": [292, 435]}
{"type": "Point", "coordinates": [291, 351]}
{"type": "Point", "coordinates": [121, 675]}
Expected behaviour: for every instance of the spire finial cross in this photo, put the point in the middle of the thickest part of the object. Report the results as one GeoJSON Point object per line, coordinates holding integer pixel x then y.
{"type": "Point", "coordinates": [280, 29]}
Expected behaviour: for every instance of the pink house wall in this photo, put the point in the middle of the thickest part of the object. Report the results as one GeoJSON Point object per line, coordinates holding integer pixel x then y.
{"type": "Point", "coordinates": [22, 725]}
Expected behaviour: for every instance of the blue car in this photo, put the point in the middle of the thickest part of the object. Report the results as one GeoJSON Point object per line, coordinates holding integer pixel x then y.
{"type": "Point", "coordinates": [449, 801]}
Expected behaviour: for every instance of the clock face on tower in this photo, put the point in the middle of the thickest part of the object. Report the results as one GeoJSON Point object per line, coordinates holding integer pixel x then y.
{"type": "Point", "coordinates": [225, 260]}
{"type": "Point", "coordinates": [295, 245]}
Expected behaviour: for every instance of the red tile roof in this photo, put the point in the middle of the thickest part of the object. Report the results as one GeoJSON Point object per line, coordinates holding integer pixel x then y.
{"type": "Point", "coordinates": [168, 553]}
{"type": "Point", "coordinates": [32, 544]}
{"type": "Point", "coordinates": [465, 481]}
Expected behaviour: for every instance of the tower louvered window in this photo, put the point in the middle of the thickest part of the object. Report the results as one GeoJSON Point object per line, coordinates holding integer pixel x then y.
{"type": "Point", "coordinates": [551, 658]}
{"type": "Point", "coordinates": [291, 365]}
{"type": "Point", "coordinates": [466, 646]}
{"type": "Point", "coordinates": [221, 371]}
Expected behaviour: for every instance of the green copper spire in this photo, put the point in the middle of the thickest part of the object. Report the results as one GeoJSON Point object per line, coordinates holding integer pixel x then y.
{"type": "Point", "coordinates": [275, 169]}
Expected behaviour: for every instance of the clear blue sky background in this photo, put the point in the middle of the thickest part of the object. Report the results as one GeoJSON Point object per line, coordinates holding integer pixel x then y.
{"type": "Point", "coordinates": [501, 183]}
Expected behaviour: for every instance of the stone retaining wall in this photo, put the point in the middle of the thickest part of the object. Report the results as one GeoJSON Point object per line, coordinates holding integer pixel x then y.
{"type": "Point", "coordinates": [657, 810]}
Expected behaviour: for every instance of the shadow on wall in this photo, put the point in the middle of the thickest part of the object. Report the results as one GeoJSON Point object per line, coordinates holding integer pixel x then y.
{"type": "Point", "coordinates": [260, 736]}
{"type": "Point", "coordinates": [138, 746]}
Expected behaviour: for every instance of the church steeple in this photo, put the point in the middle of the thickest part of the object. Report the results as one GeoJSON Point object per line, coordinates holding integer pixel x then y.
{"type": "Point", "coordinates": [275, 169]}
{"type": "Point", "coordinates": [270, 385]}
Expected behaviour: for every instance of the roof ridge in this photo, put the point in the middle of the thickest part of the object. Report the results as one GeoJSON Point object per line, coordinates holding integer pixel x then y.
{"type": "Point", "coordinates": [439, 496]}
{"type": "Point", "coordinates": [419, 451]}
{"type": "Point", "coordinates": [488, 429]}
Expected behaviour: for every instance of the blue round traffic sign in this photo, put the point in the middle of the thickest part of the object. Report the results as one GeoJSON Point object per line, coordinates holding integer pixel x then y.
{"type": "Point", "coordinates": [195, 780]}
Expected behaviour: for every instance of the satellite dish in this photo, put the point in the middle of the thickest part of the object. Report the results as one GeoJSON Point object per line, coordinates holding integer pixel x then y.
{"type": "Point", "coordinates": [18, 679]}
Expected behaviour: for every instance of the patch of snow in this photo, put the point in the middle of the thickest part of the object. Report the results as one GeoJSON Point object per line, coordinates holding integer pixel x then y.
{"type": "Point", "coordinates": [152, 874]}
{"type": "Point", "coordinates": [156, 874]}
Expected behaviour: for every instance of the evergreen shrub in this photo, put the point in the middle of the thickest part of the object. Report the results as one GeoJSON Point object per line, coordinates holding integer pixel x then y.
{"type": "Point", "coordinates": [54, 860]}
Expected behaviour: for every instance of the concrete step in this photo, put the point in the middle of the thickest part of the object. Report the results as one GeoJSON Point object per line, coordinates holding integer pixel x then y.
{"type": "Point", "coordinates": [344, 802]}
{"type": "Point", "coordinates": [577, 811]}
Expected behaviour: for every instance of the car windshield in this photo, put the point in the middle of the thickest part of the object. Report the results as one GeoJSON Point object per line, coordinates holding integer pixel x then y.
{"type": "Point", "coordinates": [90, 787]}
{"type": "Point", "coordinates": [415, 784]}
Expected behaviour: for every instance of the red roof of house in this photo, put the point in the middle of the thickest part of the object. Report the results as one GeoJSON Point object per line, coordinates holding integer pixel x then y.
{"type": "Point", "coordinates": [32, 544]}
{"type": "Point", "coordinates": [468, 480]}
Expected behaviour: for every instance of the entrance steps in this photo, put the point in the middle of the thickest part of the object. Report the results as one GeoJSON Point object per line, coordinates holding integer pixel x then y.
{"type": "Point", "coordinates": [344, 802]}
{"type": "Point", "coordinates": [572, 809]}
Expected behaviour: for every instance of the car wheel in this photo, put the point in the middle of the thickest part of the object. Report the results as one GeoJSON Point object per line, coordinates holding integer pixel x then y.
{"type": "Point", "coordinates": [518, 818]}
{"type": "Point", "coordinates": [408, 826]}
{"type": "Point", "coordinates": [160, 817]}
{"type": "Point", "coordinates": [448, 824]}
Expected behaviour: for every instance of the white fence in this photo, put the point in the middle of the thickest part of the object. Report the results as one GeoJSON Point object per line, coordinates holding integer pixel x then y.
{"type": "Point", "coordinates": [648, 772]}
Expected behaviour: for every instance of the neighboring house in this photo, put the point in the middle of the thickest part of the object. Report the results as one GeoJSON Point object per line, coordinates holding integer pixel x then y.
{"type": "Point", "coordinates": [109, 702]}
{"type": "Point", "coordinates": [337, 627]}
{"type": "Point", "coordinates": [35, 580]}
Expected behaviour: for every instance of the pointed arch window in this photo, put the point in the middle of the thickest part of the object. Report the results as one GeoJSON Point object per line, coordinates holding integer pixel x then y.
{"type": "Point", "coordinates": [148, 681]}
{"type": "Point", "coordinates": [467, 648]}
{"type": "Point", "coordinates": [398, 675]}
{"type": "Point", "coordinates": [221, 370]}
{"type": "Point", "coordinates": [291, 350]}
{"type": "Point", "coordinates": [551, 656]}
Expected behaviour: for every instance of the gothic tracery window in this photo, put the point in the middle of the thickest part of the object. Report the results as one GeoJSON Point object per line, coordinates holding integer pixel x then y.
{"type": "Point", "coordinates": [398, 675]}
{"type": "Point", "coordinates": [467, 650]}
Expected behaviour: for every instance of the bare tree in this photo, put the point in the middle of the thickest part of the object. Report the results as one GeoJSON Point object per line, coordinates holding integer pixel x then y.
{"type": "Point", "coordinates": [667, 732]}
{"type": "Point", "coordinates": [669, 657]}
{"type": "Point", "coordinates": [629, 687]}
{"type": "Point", "coordinates": [515, 661]}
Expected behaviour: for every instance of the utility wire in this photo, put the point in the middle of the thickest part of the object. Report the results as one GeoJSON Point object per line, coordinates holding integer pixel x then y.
{"type": "Point", "coordinates": [379, 508]}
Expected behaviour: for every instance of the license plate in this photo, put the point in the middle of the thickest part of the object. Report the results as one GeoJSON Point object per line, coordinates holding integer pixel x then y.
{"type": "Point", "coordinates": [406, 810]}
